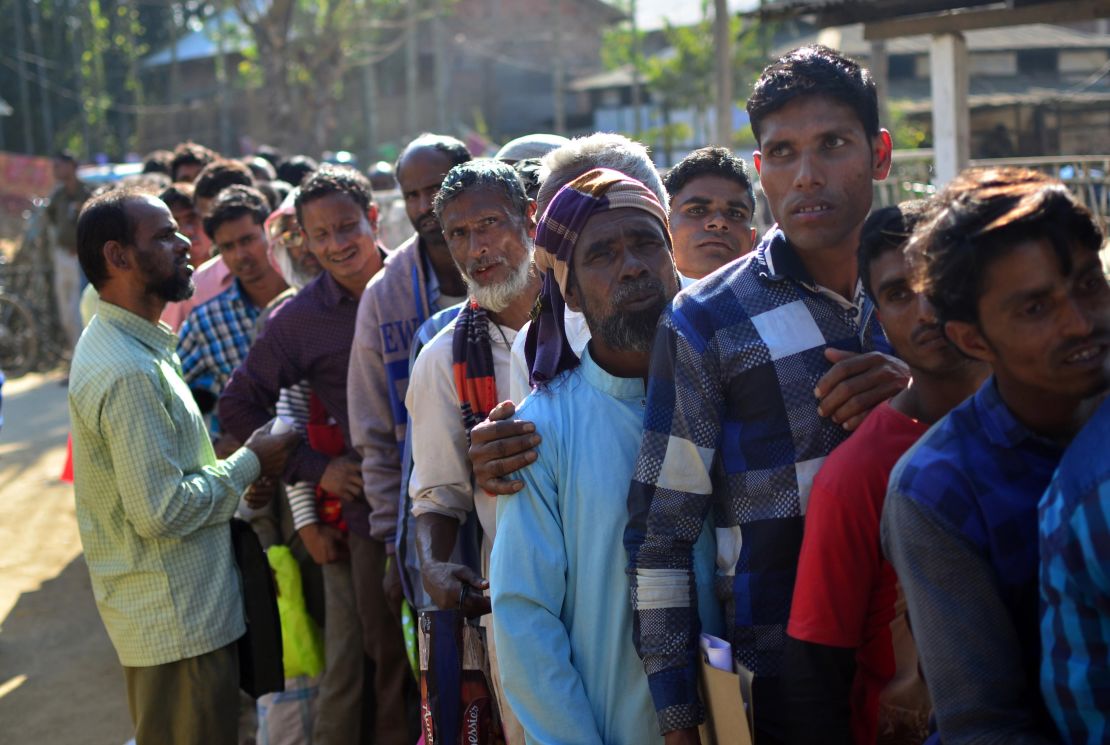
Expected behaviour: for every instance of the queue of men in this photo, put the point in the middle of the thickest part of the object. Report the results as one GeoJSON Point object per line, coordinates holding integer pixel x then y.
{"type": "Point", "coordinates": [599, 423]}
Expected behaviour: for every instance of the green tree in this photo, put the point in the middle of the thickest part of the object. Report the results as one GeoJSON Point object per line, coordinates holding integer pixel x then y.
{"type": "Point", "coordinates": [682, 75]}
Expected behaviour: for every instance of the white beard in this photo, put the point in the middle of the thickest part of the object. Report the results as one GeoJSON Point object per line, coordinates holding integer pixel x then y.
{"type": "Point", "coordinates": [497, 297]}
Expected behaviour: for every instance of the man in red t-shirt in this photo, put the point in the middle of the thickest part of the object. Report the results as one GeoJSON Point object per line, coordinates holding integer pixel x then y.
{"type": "Point", "coordinates": [850, 669]}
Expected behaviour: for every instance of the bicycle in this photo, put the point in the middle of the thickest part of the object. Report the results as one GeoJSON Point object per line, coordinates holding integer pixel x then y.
{"type": "Point", "coordinates": [19, 347]}
{"type": "Point", "coordinates": [29, 278]}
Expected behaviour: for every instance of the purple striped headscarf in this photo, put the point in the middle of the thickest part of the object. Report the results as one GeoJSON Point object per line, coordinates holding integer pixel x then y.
{"type": "Point", "coordinates": [546, 349]}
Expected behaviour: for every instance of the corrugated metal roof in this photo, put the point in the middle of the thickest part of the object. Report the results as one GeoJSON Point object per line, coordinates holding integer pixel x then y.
{"type": "Point", "coordinates": [1010, 38]}
{"type": "Point", "coordinates": [615, 78]}
{"type": "Point", "coordinates": [1030, 96]}
{"type": "Point", "coordinates": [202, 44]}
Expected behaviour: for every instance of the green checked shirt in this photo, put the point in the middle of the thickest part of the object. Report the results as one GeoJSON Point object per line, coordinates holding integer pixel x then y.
{"type": "Point", "coordinates": [153, 503]}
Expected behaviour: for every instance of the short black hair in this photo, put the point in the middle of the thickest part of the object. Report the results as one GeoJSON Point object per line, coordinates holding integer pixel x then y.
{"type": "Point", "coordinates": [270, 153]}
{"type": "Point", "coordinates": [296, 168]}
{"type": "Point", "coordinates": [66, 156]}
{"type": "Point", "coordinates": [979, 217]}
{"type": "Point", "coordinates": [218, 175]}
{"type": "Point", "coordinates": [103, 218]}
{"type": "Point", "coordinates": [709, 161]}
{"type": "Point", "coordinates": [260, 168]}
{"type": "Point", "coordinates": [275, 192]}
{"type": "Point", "coordinates": [887, 229]}
{"type": "Point", "coordinates": [530, 170]}
{"type": "Point", "coordinates": [815, 71]}
{"type": "Point", "coordinates": [158, 161]}
{"type": "Point", "coordinates": [178, 195]}
{"type": "Point", "coordinates": [235, 202]}
{"type": "Point", "coordinates": [483, 173]}
{"type": "Point", "coordinates": [455, 149]}
{"type": "Point", "coordinates": [190, 154]}
{"type": "Point", "coordinates": [331, 179]}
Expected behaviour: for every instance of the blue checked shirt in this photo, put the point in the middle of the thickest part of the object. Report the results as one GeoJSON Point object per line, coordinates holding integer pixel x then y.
{"type": "Point", "coordinates": [960, 527]}
{"type": "Point", "coordinates": [1075, 587]}
{"type": "Point", "coordinates": [732, 424]}
{"type": "Point", "coordinates": [215, 339]}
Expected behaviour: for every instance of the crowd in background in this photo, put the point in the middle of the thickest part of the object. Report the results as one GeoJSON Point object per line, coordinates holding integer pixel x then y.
{"type": "Point", "coordinates": [581, 416]}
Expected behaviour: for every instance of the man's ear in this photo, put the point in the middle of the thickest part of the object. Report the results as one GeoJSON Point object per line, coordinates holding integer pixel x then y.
{"type": "Point", "coordinates": [117, 256]}
{"type": "Point", "coordinates": [570, 297]}
{"type": "Point", "coordinates": [882, 152]}
{"type": "Point", "coordinates": [970, 340]}
{"type": "Point", "coordinates": [757, 159]}
{"type": "Point", "coordinates": [532, 218]}
{"type": "Point", "coordinates": [372, 216]}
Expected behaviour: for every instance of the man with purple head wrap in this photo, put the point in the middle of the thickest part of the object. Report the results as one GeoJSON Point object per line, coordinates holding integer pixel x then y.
{"type": "Point", "coordinates": [562, 621]}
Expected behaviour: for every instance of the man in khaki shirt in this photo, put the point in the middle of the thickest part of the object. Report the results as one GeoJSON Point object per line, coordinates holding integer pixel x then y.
{"type": "Point", "coordinates": [153, 502]}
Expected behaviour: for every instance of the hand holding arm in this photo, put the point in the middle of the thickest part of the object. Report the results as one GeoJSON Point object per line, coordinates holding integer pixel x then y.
{"type": "Point", "coordinates": [857, 383]}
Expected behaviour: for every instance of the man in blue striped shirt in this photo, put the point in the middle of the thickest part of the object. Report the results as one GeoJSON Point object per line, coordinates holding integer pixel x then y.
{"type": "Point", "coordinates": [757, 373]}
{"type": "Point", "coordinates": [1075, 587]}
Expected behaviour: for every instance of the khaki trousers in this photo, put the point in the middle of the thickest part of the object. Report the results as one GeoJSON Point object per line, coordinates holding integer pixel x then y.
{"type": "Point", "coordinates": [189, 702]}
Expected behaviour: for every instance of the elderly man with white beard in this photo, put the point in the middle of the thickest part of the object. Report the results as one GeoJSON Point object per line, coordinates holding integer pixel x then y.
{"type": "Point", "coordinates": [489, 224]}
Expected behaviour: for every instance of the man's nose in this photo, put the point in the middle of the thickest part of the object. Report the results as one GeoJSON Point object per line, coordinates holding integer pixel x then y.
{"type": "Point", "coordinates": [926, 313]}
{"type": "Point", "coordinates": [809, 173]}
{"type": "Point", "coordinates": [633, 266]}
{"type": "Point", "coordinates": [716, 221]}
{"type": "Point", "coordinates": [426, 201]}
{"type": "Point", "coordinates": [1078, 318]}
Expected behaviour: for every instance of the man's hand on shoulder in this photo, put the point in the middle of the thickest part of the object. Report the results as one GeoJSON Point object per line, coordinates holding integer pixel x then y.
{"type": "Point", "coordinates": [857, 383]}
{"type": "Point", "coordinates": [500, 446]}
{"type": "Point", "coordinates": [271, 450]}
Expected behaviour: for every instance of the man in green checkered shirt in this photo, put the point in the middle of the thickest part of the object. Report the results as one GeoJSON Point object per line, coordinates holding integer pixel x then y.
{"type": "Point", "coordinates": [153, 502]}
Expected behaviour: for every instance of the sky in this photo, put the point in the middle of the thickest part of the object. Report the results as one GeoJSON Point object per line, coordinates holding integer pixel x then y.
{"type": "Point", "coordinates": [651, 13]}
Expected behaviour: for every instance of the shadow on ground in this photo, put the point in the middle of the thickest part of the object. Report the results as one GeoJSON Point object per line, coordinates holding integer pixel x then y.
{"type": "Point", "coordinates": [54, 637]}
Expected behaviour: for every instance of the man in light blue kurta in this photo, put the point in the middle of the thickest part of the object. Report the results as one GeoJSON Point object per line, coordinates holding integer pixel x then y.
{"type": "Point", "coordinates": [561, 611]}
{"type": "Point", "coordinates": [560, 592]}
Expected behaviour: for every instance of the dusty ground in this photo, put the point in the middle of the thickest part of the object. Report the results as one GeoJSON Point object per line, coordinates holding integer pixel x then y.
{"type": "Point", "coordinates": [60, 682]}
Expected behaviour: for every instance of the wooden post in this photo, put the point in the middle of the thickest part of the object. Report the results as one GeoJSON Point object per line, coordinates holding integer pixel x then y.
{"type": "Point", "coordinates": [951, 121]}
{"type": "Point", "coordinates": [722, 43]}
{"type": "Point", "coordinates": [24, 92]}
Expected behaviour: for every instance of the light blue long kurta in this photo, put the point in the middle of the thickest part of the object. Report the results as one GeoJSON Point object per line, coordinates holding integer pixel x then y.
{"type": "Point", "coordinates": [561, 612]}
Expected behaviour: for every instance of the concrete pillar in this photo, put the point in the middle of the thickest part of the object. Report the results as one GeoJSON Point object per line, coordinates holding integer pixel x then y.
{"type": "Point", "coordinates": [948, 66]}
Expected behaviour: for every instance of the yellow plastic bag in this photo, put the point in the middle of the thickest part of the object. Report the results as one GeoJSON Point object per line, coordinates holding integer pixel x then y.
{"type": "Point", "coordinates": [302, 644]}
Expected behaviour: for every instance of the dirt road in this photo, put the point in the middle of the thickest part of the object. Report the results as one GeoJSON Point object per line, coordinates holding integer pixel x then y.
{"type": "Point", "coordinates": [60, 681]}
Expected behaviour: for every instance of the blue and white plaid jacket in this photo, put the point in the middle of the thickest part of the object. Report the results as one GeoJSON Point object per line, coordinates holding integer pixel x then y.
{"type": "Point", "coordinates": [731, 424]}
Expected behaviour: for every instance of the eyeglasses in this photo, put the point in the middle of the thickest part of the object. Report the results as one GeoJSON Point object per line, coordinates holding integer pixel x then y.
{"type": "Point", "coordinates": [288, 236]}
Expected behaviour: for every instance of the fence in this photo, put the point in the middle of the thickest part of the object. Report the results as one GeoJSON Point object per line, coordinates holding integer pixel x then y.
{"type": "Point", "coordinates": [1088, 176]}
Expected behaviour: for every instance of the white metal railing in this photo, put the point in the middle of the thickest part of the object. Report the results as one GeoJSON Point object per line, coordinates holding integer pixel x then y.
{"type": "Point", "coordinates": [1088, 176]}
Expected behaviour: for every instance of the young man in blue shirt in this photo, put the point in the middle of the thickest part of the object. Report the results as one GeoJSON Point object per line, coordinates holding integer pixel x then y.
{"type": "Point", "coordinates": [1010, 263]}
